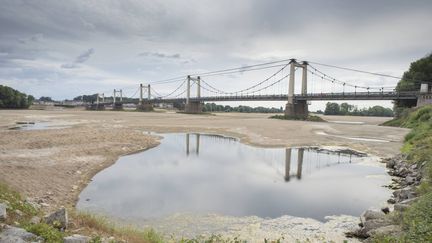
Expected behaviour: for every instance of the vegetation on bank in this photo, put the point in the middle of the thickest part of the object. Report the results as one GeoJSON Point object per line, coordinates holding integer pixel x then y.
{"type": "Point", "coordinates": [420, 70]}
{"type": "Point", "coordinates": [346, 109]}
{"type": "Point", "coordinates": [212, 107]}
{"type": "Point", "coordinates": [13, 99]}
{"type": "Point", "coordinates": [417, 220]}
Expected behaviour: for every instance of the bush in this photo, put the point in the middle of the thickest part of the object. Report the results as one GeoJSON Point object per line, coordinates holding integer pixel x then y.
{"type": "Point", "coordinates": [48, 232]}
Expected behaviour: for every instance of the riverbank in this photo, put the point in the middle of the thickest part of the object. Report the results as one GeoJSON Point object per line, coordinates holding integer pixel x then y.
{"type": "Point", "coordinates": [52, 166]}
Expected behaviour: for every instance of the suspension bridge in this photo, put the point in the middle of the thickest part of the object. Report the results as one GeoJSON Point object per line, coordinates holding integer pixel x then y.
{"type": "Point", "coordinates": [278, 86]}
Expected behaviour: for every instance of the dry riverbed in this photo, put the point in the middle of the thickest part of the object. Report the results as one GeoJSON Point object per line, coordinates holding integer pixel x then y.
{"type": "Point", "coordinates": [52, 166]}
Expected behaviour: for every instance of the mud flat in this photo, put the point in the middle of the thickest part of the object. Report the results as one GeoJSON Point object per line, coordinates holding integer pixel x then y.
{"type": "Point", "coordinates": [52, 166]}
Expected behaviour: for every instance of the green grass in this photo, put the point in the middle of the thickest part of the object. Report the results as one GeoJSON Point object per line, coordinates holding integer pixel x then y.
{"type": "Point", "coordinates": [297, 118]}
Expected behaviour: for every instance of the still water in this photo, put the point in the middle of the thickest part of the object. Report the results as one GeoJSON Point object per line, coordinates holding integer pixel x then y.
{"type": "Point", "coordinates": [202, 174]}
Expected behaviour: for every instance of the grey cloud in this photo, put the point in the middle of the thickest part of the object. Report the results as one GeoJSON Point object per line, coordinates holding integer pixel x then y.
{"type": "Point", "coordinates": [79, 59]}
{"type": "Point", "coordinates": [84, 56]}
{"type": "Point", "coordinates": [159, 55]}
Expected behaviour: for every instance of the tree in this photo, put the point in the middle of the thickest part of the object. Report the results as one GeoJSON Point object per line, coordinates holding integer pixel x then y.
{"type": "Point", "coordinates": [420, 70]}
{"type": "Point", "coordinates": [332, 109]}
{"type": "Point", "coordinates": [346, 108]}
{"type": "Point", "coordinates": [11, 98]}
{"type": "Point", "coordinates": [45, 99]}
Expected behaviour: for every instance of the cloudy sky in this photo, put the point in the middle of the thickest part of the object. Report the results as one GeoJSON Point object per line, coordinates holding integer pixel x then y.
{"type": "Point", "coordinates": [67, 48]}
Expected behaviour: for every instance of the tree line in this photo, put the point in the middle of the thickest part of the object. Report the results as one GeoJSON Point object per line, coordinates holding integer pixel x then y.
{"type": "Point", "coordinates": [346, 109]}
{"type": "Point", "coordinates": [13, 99]}
{"type": "Point", "coordinates": [212, 107]}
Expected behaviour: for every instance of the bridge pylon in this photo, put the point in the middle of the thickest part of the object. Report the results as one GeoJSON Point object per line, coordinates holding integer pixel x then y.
{"type": "Point", "coordinates": [193, 106]}
{"type": "Point", "coordinates": [297, 108]}
{"type": "Point", "coordinates": [145, 105]}
{"type": "Point", "coordinates": [117, 105]}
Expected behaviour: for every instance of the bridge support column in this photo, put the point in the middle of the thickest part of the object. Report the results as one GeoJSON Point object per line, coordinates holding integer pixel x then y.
{"type": "Point", "coordinates": [193, 106]}
{"type": "Point", "coordinates": [296, 108]}
{"type": "Point", "coordinates": [144, 105]}
{"type": "Point", "coordinates": [117, 105]}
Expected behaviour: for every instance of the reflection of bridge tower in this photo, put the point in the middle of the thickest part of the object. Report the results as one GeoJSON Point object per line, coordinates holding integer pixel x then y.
{"type": "Point", "coordinates": [300, 155]}
{"type": "Point", "coordinates": [145, 105]}
{"type": "Point", "coordinates": [197, 139]}
{"type": "Point", "coordinates": [193, 106]}
{"type": "Point", "coordinates": [297, 108]}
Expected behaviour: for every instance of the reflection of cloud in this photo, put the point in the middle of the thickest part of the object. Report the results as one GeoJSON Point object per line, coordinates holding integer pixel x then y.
{"type": "Point", "coordinates": [79, 59]}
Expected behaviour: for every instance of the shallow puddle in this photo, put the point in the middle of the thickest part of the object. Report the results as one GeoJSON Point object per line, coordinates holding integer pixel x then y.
{"type": "Point", "coordinates": [207, 174]}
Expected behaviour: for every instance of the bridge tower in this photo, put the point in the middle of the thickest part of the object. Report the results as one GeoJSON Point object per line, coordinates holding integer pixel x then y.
{"type": "Point", "coordinates": [297, 108]}
{"type": "Point", "coordinates": [98, 105]}
{"type": "Point", "coordinates": [145, 105]}
{"type": "Point", "coordinates": [117, 105]}
{"type": "Point", "coordinates": [193, 106]}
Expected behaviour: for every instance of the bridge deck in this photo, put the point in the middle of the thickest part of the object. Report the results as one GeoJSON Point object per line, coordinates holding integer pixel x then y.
{"type": "Point", "coordinates": [312, 97]}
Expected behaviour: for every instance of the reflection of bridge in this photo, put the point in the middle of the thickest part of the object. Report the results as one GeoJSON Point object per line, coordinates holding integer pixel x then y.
{"type": "Point", "coordinates": [289, 159]}
{"type": "Point", "coordinates": [297, 104]}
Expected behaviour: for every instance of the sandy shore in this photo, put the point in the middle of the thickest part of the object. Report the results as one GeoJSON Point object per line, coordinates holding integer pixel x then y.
{"type": "Point", "coordinates": [52, 166]}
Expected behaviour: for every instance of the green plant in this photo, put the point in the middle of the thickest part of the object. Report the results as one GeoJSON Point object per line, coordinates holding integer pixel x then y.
{"type": "Point", "coordinates": [48, 232]}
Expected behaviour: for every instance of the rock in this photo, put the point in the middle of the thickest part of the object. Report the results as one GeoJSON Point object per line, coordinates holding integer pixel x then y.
{"type": "Point", "coordinates": [385, 210]}
{"type": "Point", "coordinates": [76, 239]}
{"type": "Point", "coordinates": [3, 214]}
{"type": "Point", "coordinates": [390, 230]}
{"type": "Point", "coordinates": [409, 201]}
{"type": "Point", "coordinates": [19, 213]}
{"type": "Point", "coordinates": [405, 193]}
{"type": "Point", "coordinates": [35, 220]}
{"type": "Point", "coordinates": [391, 201]}
{"type": "Point", "coordinates": [58, 219]}
{"type": "Point", "coordinates": [371, 214]}
{"type": "Point", "coordinates": [410, 180]}
{"type": "Point", "coordinates": [372, 224]}
{"type": "Point", "coordinates": [391, 163]}
{"type": "Point", "coordinates": [12, 234]}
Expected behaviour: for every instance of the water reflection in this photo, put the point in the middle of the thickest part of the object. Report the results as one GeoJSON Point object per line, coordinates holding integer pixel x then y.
{"type": "Point", "coordinates": [198, 173]}
{"type": "Point", "coordinates": [288, 156]}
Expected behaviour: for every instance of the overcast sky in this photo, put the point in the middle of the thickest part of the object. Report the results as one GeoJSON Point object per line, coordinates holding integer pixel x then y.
{"type": "Point", "coordinates": [67, 48]}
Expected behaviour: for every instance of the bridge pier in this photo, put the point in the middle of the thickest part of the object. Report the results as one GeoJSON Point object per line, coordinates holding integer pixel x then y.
{"type": "Point", "coordinates": [297, 108]}
{"type": "Point", "coordinates": [193, 106]}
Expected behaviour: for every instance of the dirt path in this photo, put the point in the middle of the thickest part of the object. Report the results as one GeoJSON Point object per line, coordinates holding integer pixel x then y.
{"type": "Point", "coordinates": [52, 166]}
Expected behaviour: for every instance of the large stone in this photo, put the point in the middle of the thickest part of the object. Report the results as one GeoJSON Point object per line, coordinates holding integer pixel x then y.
{"type": "Point", "coordinates": [76, 239]}
{"type": "Point", "coordinates": [12, 235]}
{"type": "Point", "coordinates": [370, 215]}
{"type": "Point", "coordinates": [58, 219]}
{"type": "Point", "coordinates": [3, 214]}
{"type": "Point", "coordinates": [373, 224]}
{"type": "Point", "coordinates": [405, 193]}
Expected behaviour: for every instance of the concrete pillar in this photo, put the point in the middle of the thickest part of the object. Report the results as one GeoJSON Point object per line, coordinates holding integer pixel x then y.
{"type": "Point", "coordinates": [304, 79]}
{"type": "Point", "coordinates": [149, 92]}
{"type": "Point", "coordinates": [199, 87]}
{"type": "Point", "coordinates": [188, 89]}
{"type": "Point", "coordinates": [97, 99]}
{"type": "Point", "coordinates": [187, 143]}
{"type": "Point", "coordinates": [121, 95]}
{"type": "Point", "coordinates": [300, 162]}
{"type": "Point", "coordinates": [141, 95]}
{"type": "Point", "coordinates": [291, 82]}
{"type": "Point", "coordinates": [103, 97]}
{"type": "Point", "coordinates": [287, 163]}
